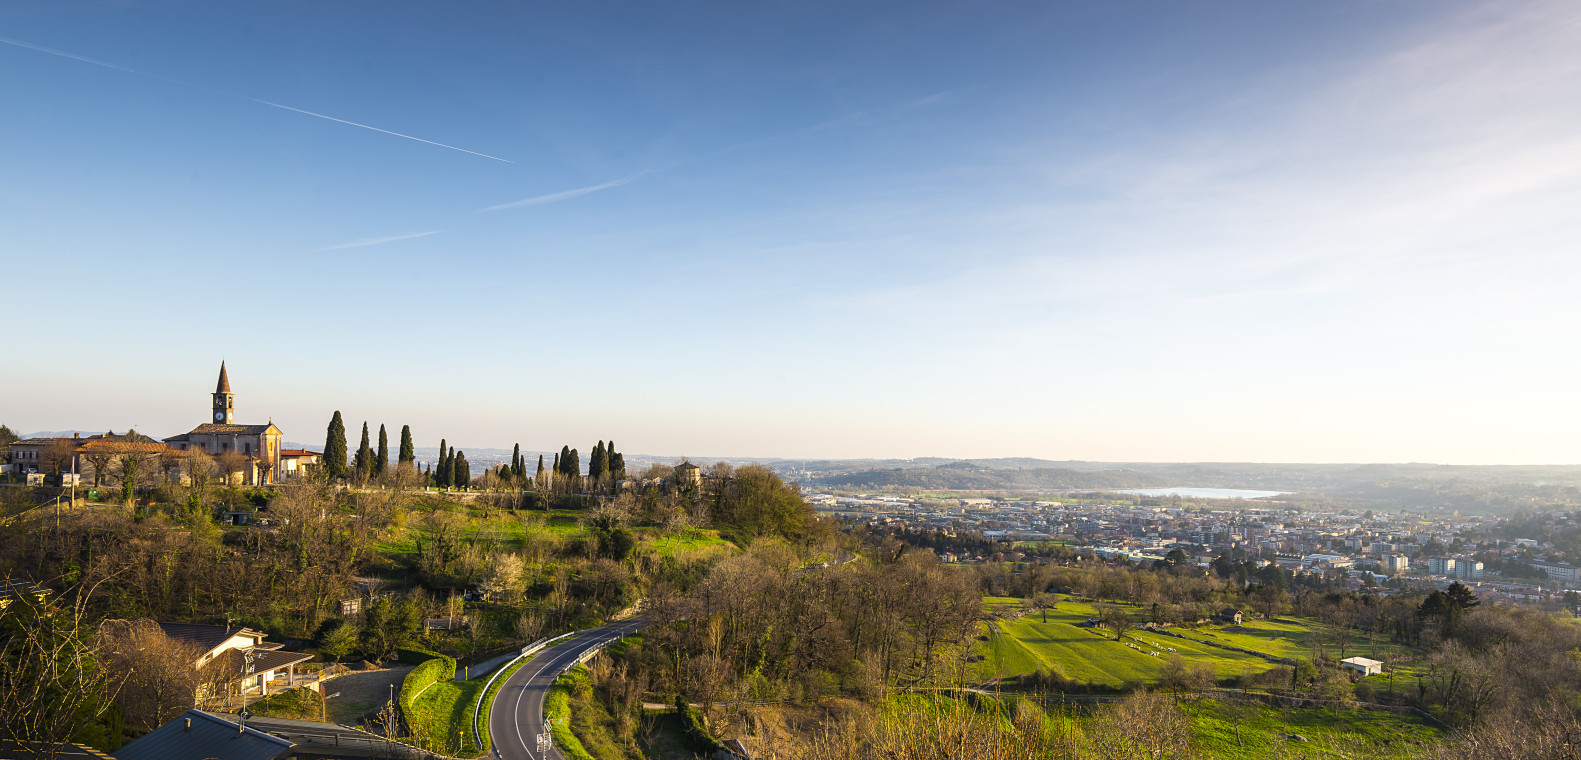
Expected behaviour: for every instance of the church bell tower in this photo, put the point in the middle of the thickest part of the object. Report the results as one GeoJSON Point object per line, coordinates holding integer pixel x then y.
{"type": "Point", "coordinates": [224, 401]}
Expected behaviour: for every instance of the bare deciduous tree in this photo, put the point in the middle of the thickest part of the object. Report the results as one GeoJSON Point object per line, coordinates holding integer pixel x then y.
{"type": "Point", "coordinates": [161, 673]}
{"type": "Point", "coordinates": [1145, 726]}
{"type": "Point", "coordinates": [52, 684]}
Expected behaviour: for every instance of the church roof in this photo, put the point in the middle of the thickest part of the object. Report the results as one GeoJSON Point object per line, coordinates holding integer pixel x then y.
{"type": "Point", "coordinates": [224, 386]}
{"type": "Point", "coordinates": [217, 428]}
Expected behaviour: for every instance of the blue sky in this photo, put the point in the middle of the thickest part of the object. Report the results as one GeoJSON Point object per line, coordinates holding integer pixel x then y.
{"type": "Point", "coordinates": [1324, 231]}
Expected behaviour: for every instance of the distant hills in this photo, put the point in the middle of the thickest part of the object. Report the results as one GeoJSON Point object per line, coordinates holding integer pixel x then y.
{"type": "Point", "coordinates": [972, 476]}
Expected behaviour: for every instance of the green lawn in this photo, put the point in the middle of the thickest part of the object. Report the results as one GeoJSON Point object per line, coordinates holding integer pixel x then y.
{"type": "Point", "coordinates": [1280, 639]}
{"type": "Point", "coordinates": [1365, 733]}
{"type": "Point", "coordinates": [446, 711]}
{"type": "Point", "coordinates": [295, 704]}
{"type": "Point", "coordinates": [1085, 654]}
{"type": "Point", "coordinates": [681, 544]}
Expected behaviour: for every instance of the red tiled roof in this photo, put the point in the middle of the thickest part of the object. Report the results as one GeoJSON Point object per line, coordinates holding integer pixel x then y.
{"type": "Point", "coordinates": [122, 447]}
{"type": "Point", "coordinates": [300, 453]}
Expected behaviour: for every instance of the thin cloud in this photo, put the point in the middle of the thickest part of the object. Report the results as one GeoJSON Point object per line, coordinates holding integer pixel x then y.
{"type": "Point", "coordinates": [378, 241]}
{"type": "Point", "coordinates": [560, 196]}
{"type": "Point", "coordinates": [83, 59]}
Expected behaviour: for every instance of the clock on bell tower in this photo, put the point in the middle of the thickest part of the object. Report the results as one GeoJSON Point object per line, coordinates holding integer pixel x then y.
{"type": "Point", "coordinates": [224, 401]}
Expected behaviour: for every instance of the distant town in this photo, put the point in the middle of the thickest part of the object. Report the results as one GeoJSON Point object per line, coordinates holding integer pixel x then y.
{"type": "Point", "coordinates": [1373, 550]}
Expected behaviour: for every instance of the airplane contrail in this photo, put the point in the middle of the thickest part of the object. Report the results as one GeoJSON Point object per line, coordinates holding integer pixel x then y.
{"type": "Point", "coordinates": [84, 59]}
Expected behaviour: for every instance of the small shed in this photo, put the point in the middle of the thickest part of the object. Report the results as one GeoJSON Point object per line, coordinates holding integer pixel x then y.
{"type": "Point", "coordinates": [1230, 615]}
{"type": "Point", "coordinates": [1363, 665]}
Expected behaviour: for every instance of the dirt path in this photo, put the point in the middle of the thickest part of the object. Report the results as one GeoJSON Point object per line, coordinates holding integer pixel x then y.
{"type": "Point", "coordinates": [362, 692]}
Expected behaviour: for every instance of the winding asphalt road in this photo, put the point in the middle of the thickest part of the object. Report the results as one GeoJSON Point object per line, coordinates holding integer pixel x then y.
{"type": "Point", "coordinates": [516, 718]}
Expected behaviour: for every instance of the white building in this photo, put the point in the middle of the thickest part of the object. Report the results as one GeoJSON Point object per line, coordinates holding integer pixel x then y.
{"type": "Point", "coordinates": [1363, 665]}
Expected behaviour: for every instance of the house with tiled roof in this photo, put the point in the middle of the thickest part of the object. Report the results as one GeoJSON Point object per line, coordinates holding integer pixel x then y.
{"type": "Point", "coordinates": [259, 445]}
{"type": "Point", "coordinates": [260, 663]}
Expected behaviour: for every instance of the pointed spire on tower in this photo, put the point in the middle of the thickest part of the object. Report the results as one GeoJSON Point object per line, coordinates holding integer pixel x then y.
{"type": "Point", "coordinates": [225, 382]}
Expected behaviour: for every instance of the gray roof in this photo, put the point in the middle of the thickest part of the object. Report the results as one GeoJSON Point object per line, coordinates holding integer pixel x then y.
{"type": "Point", "coordinates": [225, 737]}
{"type": "Point", "coordinates": [209, 736]}
{"type": "Point", "coordinates": [266, 660]}
{"type": "Point", "coordinates": [206, 636]}
{"type": "Point", "coordinates": [314, 739]}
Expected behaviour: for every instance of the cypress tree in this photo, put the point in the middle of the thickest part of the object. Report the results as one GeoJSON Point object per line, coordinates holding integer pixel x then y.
{"type": "Point", "coordinates": [563, 462]}
{"type": "Point", "coordinates": [364, 461]}
{"type": "Point", "coordinates": [381, 459]}
{"type": "Point", "coordinates": [439, 466]}
{"type": "Point", "coordinates": [617, 466]}
{"type": "Point", "coordinates": [408, 452]}
{"type": "Point", "coordinates": [463, 471]}
{"type": "Point", "coordinates": [539, 475]}
{"type": "Point", "coordinates": [450, 468]}
{"type": "Point", "coordinates": [518, 468]}
{"type": "Point", "coordinates": [574, 467]}
{"type": "Point", "coordinates": [558, 470]}
{"type": "Point", "coordinates": [335, 448]}
{"type": "Point", "coordinates": [596, 463]}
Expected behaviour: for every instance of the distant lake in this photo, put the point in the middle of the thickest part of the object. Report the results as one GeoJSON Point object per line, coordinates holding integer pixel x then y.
{"type": "Point", "coordinates": [1204, 493]}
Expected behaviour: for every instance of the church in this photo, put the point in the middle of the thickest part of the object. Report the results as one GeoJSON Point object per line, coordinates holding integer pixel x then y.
{"type": "Point", "coordinates": [260, 444]}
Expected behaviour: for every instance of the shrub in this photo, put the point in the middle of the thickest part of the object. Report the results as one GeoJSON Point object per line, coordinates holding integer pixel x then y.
{"type": "Point", "coordinates": [416, 656]}
{"type": "Point", "coordinates": [433, 670]}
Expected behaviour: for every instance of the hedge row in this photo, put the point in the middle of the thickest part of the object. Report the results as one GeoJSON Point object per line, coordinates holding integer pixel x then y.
{"type": "Point", "coordinates": [436, 668]}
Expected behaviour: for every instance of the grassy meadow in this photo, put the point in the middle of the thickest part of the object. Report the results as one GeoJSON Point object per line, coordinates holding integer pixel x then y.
{"type": "Point", "coordinates": [1078, 652]}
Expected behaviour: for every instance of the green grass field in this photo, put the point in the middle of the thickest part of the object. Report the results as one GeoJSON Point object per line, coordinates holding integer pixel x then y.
{"type": "Point", "coordinates": [694, 543]}
{"type": "Point", "coordinates": [1263, 728]}
{"type": "Point", "coordinates": [1280, 639]}
{"type": "Point", "coordinates": [1086, 654]}
{"type": "Point", "coordinates": [1232, 729]}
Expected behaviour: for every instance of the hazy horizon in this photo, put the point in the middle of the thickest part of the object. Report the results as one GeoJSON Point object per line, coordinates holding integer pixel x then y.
{"type": "Point", "coordinates": [1233, 232]}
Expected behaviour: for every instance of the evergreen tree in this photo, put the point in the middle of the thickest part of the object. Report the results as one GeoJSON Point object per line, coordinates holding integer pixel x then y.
{"type": "Point", "coordinates": [538, 477]}
{"type": "Point", "coordinates": [381, 459]}
{"type": "Point", "coordinates": [564, 462]}
{"type": "Point", "coordinates": [598, 463]}
{"type": "Point", "coordinates": [558, 470]}
{"type": "Point", "coordinates": [463, 471]}
{"type": "Point", "coordinates": [617, 462]}
{"type": "Point", "coordinates": [408, 451]}
{"type": "Point", "coordinates": [518, 468]}
{"type": "Point", "coordinates": [439, 466]}
{"type": "Point", "coordinates": [364, 461]}
{"type": "Point", "coordinates": [573, 468]}
{"type": "Point", "coordinates": [335, 448]}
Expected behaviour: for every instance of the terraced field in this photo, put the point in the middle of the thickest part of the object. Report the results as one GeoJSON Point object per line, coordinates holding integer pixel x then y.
{"type": "Point", "coordinates": [1065, 645]}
